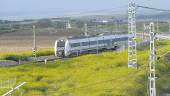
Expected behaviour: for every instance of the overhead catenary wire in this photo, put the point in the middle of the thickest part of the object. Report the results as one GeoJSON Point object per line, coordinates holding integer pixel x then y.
{"type": "Point", "coordinates": [151, 8]}
{"type": "Point", "coordinates": [74, 14]}
{"type": "Point", "coordinates": [162, 55]}
{"type": "Point", "coordinates": [155, 9]}
{"type": "Point", "coordinates": [151, 76]}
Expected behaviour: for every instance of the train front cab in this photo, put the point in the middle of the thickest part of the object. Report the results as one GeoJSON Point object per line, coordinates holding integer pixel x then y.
{"type": "Point", "coordinates": [59, 48]}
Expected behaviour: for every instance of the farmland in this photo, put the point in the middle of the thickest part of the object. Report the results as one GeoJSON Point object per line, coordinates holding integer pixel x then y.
{"type": "Point", "coordinates": [105, 74]}
{"type": "Point", "coordinates": [85, 48]}
{"type": "Point", "coordinates": [21, 40]}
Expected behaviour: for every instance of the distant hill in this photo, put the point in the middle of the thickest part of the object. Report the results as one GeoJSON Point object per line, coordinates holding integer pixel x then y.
{"type": "Point", "coordinates": [163, 16]}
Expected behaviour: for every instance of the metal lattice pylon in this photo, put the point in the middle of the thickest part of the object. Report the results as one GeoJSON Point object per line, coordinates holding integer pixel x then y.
{"type": "Point", "coordinates": [7, 83]}
{"type": "Point", "coordinates": [85, 30]}
{"type": "Point", "coordinates": [152, 87]}
{"type": "Point", "coordinates": [68, 25]}
{"type": "Point", "coordinates": [132, 54]}
{"type": "Point", "coordinates": [34, 44]}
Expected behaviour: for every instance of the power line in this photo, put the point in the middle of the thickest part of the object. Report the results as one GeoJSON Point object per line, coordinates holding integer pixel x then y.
{"type": "Point", "coordinates": [34, 44]}
{"type": "Point", "coordinates": [94, 11]}
{"type": "Point", "coordinates": [151, 8]}
{"type": "Point", "coordinates": [13, 89]}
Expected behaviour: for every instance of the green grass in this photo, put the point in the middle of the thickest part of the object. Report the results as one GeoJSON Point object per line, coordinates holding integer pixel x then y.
{"type": "Point", "coordinates": [105, 74]}
{"type": "Point", "coordinates": [78, 77]}
{"type": "Point", "coordinates": [4, 30]}
{"type": "Point", "coordinates": [24, 55]}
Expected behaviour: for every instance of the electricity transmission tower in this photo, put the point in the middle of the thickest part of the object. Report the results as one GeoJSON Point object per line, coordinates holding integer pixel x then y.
{"type": "Point", "coordinates": [34, 44]}
{"type": "Point", "coordinates": [68, 25]}
{"type": "Point", "coordinates": [157, 25]}
{"type": "Point", "coordinates": [85, 30]}
{"type": "Point", "coordinates": [146, 30]}
{"type": "Point", "coordinates": [152, 87]}
{"type": "Point", "coordinates": [9, 93]}
{"type": "Point", "coordinates": [169, 26]}
{"type": "Point", "coordinates": [132, 54]}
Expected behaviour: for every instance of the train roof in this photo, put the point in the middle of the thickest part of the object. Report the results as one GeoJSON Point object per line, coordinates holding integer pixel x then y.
{"type": "Point", "coordinates": [82, 37]}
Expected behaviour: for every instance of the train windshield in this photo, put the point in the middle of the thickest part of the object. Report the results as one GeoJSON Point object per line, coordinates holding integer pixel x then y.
{"type": "Point", "coordinates": [61, 44]}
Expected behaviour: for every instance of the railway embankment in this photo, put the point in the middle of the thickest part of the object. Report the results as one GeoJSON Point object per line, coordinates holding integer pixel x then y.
{"type": "Point", "coordinates": [8, 63]}
{"type": "Point", "coordinates": [44, 59]}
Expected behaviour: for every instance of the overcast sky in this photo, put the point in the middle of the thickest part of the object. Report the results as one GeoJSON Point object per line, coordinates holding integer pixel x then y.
{"type": "Point", "coordinates": [26, 9]}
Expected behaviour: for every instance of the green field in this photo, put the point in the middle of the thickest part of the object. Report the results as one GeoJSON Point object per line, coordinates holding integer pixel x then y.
{"type": "Point", "coordinates": [25, 54]}
{"type": "Point", "coordinates": [105, 74]}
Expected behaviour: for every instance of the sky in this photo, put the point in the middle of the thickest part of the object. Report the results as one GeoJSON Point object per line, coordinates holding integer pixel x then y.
{"type": "Point", "coordinates": [28, 9]}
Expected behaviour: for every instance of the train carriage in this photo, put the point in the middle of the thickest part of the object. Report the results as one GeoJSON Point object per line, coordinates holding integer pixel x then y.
{"type": "Point", "coordinates": [78, 45]}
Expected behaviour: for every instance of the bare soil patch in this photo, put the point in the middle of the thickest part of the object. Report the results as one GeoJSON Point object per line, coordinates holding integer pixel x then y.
{"type": "Point", "coordinates": [23, 40]}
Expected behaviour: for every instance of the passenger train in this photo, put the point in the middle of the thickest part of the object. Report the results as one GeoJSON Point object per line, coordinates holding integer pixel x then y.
{"type": "Point", "coordinates": [79, 45]}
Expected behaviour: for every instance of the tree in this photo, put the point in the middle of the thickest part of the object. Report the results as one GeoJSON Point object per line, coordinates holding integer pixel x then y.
{"type": "Point", "coordinates": [44, 23]}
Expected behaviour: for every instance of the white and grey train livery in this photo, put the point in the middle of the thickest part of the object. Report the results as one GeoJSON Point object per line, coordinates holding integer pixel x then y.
{"type": "Point", "coordinates": [83, 44]}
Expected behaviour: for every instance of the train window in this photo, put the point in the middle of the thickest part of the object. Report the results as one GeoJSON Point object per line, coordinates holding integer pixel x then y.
{"type": "Point", "coordinates": [85, 43]}
{"type": "Point", "coordinates": [124, 38]}
{"type": "Point", "coordinates": [75, 44]}
{"type": "Point", "coordinates": [61, 44]}
{"type": "Point", "coordinates": [116, 39]}
{"type": "Point", "coordinates": [100, 42]}
{"type": "Point", "coordinates": [93, 42]}
{"type": "Point", "coordinates": [106, 41]}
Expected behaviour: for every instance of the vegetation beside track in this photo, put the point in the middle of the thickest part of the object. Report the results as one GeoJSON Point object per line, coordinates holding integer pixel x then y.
{"type": "Point", "coordinates": [15, 56]}
{"type": "Point", "coordinates": [105, 74]}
